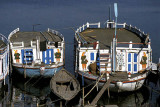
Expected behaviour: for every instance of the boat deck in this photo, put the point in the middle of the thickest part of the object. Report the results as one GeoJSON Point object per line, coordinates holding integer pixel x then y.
{"type": "Point", "coordinates": [26, 37]}
{"type": "Point", "coordinates": [105, 36]}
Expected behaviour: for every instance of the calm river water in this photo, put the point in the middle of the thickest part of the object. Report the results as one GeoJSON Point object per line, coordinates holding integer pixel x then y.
{"type": "Point", "coordinates": [63, 14]}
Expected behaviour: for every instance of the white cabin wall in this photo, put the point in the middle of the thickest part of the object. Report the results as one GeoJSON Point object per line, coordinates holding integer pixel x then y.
{"type": "Point", "coordinates": [13, 57]}
{"type": "Point", "coordinates": [0, 67]}
{"type": "Point", "coordinates": [40, 55]}
{"type": "Point", "coordinates": [121, 63]}
{"type": "Point", "coordinates": [139, 53]}
{"type": "Point", "coordinates": [140, 58]}
{"type": "Point", "coordinates": [88, 57]}
{"type": "Point", "coordinates": [34, 54]}
{"type": "Point", "coordinates": [61, 51]}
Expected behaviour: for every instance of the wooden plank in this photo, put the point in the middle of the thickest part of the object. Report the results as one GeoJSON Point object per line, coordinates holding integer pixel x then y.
{"type": "Point", "coordinates": [106, 85]}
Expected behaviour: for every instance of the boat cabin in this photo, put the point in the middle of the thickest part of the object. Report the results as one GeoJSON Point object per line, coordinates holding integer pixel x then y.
{"type": "Point", "coordinates": [95, 47]}
{"type": "Point", "coordinates": [37, 48]}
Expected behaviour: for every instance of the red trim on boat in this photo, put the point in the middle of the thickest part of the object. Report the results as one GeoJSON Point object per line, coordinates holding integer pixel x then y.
{"type": "Point", "coordinates": [111, 81]}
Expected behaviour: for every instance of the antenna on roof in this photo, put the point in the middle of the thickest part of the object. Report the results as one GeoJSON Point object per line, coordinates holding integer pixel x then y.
{"type": "Point", "coordinates": [109, 16]}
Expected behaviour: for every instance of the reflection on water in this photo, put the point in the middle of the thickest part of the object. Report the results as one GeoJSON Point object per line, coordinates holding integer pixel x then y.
{"type": "Point", "coordinates": [24, 92]}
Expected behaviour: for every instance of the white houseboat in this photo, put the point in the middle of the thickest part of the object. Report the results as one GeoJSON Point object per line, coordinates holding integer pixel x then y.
{"type": "Point", "coordinates": [4, 57]}
{"type": "Point", "coordinates": [94, 55]}
{"type": "Point", "coordinates": [36, 54]}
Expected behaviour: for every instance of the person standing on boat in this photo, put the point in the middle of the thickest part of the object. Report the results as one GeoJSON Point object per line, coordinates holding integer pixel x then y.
{"type": "Point", "coordinates": [16, 56]}
{"type": "Point", "coordinates": [84, 61]}
{"type": "Point", "coordinates": [58, 55]}
{"type": "Point", "coordinates": [144, 60]}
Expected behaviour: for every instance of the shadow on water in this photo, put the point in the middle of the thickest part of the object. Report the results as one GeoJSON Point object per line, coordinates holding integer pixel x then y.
{"type": "Point", "coordinates": [18, 91]}
{"type": "Point", "coordinates": [36, 92]}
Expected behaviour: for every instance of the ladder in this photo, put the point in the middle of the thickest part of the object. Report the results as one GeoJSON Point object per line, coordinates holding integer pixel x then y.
{"type": "Point", "coordinates": [105, 61]}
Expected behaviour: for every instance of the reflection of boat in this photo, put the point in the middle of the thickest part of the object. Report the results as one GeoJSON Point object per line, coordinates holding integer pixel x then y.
{"type": "Point", "coordinates": [64, 85]}
{"type": "Point", "coordinates": [30, 93]}
{"type": "Point", "coordinates": [33, 87]}
{"type": "Point", "coordinates": [137, 99]}
{"type": "Point", "coordinates": [4, 95]}
{"type": "Point", "coordinates": [4, 57]}
{"type": "Point", "coordinates": [37, 54]}
{"type": "Point", "coordinates": [125, 58]}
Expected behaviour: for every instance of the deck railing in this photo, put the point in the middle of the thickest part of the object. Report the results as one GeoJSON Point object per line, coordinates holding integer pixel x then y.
{"type": "Point", "coordinates": [5, 40]}
{"type": "Point", "coordinates": [87, 25]}
{"type": "Point", "coordinates": [136, 31]}
{"type": "Point", "coordinates": [12, 33]}
{"type": "Point", "coordinates": [84, 27]}
{"type": "Point", "coordinates": [129, 28]}
{"type": "Point", "coordinates": [56, 33]}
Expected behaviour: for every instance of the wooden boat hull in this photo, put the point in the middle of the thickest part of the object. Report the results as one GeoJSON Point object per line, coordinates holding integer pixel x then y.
{"type": "Point", "coordinates": [36, 72]}
{"type": "Point", "coordinates": [64, 85]}
{"type": "Point", "coordinates": [131, 85]}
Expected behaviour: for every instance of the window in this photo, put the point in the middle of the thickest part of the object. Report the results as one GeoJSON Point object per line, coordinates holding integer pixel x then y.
{"type": "Point", "coordinates": [92, 56]}
{"type": "Point", "coordinates": [135, 57]}
{"type": "Point", "coordinates": [129, 57]}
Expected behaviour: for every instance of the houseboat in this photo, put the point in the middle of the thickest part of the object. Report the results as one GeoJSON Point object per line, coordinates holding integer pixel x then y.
{"type": "Point", "coordinates": [100, 56]}
{"type": "Point", "coordinates": [36, 54]}
{"type": "Point", "coordinates": [4, 57]}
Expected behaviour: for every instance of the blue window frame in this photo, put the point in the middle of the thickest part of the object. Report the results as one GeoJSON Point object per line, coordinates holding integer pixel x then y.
{"type": "Point", "coordinates": [135, 67]}
{"type": "Point", "coordinates": [129, 57]}
{"type": "Point", "coordinates": [129, 67]}
{"type": "Point", "coordinates": [135, 57]}
{"type": "Point", "coordinates": [92, 56]}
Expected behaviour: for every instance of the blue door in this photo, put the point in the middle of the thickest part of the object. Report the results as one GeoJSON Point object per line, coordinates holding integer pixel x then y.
{"type": "Point", "coordinates": [132, 63]}
{"type": "Point", "coordinates": [48, 56]}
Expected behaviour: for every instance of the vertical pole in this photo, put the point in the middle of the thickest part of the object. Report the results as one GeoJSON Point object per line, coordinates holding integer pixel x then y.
{"type": "Point", "coordinates": [61, 104]}
{"type": "Point", "coordinates": [26, 64]}
{"type": "Point", "coordinates": [83, 88]}
{"type": "Point", "coordinates": [114, 54]}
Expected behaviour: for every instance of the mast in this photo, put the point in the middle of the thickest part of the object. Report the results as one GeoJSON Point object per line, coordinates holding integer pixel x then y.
{"type": "Point", "coordinates": [114, 39]}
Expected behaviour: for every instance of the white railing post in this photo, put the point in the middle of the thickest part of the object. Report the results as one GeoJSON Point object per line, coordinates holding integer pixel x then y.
{"type": "Point", "coordinates": [124, 25]}
{"type": "Point", "coordinates": [97, 47]}
{"type": "Point", "coordinates": [79, 29]}
{"type": "Point", "coordinates": [130, 45]}
{"type": "Point", "coordinates": [22, 44]}
{"type": "Point", "coordinates": [83, 26]}
{"type": "Point", "coordinates": [99, 25]}
{"type": "Point", "coordinates": [79, 44]}
{"type": "Point", "coordinates": [87, 25]}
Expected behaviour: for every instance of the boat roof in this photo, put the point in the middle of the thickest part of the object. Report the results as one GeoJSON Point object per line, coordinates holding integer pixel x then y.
{"type": "Point", "coordinates": [26, 37]}
{"type": "Point", "coordinates": [105, 36]}
{"type": "Point", "coordinates": [2, 44]}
